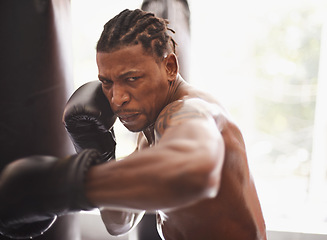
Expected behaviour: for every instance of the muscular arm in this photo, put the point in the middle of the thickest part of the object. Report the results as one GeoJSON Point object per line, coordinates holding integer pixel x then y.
{"type": "Point", "coordinates": [182, 168]}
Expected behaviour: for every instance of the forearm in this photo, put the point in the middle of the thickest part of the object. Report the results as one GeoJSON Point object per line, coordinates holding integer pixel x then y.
{"type": "Point", "coordinates": [124, 184]}
{"type": "Point", "coordinates": [154, 179]}
{"type": "Point", "coordinates": [118, 222]}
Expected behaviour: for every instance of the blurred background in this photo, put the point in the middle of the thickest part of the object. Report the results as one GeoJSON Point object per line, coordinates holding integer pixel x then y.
{"type": "Point", "coordinates": [266, 61]}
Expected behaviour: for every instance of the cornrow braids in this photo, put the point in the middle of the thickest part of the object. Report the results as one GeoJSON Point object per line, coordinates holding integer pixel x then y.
{"type": "Point", "coordinates": [134, 27]}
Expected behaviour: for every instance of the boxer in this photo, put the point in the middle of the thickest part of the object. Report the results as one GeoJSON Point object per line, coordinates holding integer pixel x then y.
{"type": "Point", "coordinates": [190, 166]}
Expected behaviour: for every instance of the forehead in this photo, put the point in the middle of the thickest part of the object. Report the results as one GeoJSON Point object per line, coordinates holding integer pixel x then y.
{"type": "Point", "coordinates": [123, 59]}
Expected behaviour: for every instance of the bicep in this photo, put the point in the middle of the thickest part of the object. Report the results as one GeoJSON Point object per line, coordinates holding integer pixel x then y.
{"type": "Point", "coordinates": [188, 122]}
{"type": "Point", "coordinates": [196, 139]}
{"type": "Point", "coordinates": [192, 142]}
{"type": "Point", "coordinates": [188, 129]}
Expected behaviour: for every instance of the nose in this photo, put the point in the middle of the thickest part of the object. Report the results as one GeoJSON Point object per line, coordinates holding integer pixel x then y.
{"type": "Point", "coordinates": [119, 96]}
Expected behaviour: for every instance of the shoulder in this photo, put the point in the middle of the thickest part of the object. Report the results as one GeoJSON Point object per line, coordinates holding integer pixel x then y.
{"type": "Point", "coordinates": [185, 110]}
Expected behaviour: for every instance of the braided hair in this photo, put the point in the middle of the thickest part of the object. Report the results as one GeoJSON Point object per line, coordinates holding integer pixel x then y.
{"type": "Point", "coordinates": [133, 27]}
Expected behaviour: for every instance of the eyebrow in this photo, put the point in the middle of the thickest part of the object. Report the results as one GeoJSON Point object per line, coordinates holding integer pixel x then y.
{"type": "Point", "coordinates": [121, 76]}
{"type": "Point", "coordinates": [103, 78]}
{"type": "Point", "coordinates": [128, 73]}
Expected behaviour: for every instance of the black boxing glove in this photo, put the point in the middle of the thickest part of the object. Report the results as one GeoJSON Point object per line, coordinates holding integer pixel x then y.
{"type": "Point", "coordinates": [88, 120]}
{"type": "Point", "coordinates": [36, 189]}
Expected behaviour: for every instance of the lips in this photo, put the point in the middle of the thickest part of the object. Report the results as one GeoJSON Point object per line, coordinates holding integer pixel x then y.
{"type": "Point", "coordinates": [128, 117]}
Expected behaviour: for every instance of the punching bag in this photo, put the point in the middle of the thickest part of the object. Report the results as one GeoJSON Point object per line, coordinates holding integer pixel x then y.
{"type": "Point", "coordinates": [35, 83]}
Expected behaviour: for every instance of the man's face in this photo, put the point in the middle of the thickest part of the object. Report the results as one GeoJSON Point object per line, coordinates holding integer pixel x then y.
{"type": "Point", "coordinates": [135, 85]}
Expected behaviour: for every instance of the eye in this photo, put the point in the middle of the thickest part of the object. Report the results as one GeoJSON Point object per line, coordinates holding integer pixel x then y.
{"type": "Point", "coordinates": [106, 82]}
{"type": "Point", "coordinates": [132, 79]}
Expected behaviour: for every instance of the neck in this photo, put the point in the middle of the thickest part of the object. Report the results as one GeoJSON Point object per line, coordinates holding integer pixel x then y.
{"type": "Point", "coordinates": [174, 93]}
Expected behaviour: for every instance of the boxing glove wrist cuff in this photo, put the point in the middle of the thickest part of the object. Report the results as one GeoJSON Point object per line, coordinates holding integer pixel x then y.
{"type": "Point", "coordinates": [84, 161]}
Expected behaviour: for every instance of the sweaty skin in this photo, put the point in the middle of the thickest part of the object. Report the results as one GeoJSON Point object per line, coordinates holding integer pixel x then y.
{"type": "Point", "coordinates": [190, 166]}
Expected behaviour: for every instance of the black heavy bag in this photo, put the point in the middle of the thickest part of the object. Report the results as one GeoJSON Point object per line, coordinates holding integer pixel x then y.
{"type": "Point", "coordinates": [35, 82]}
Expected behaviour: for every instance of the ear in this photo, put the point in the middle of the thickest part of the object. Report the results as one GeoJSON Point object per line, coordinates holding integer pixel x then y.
{"type": "Point", "coordinates": [171, 65]}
